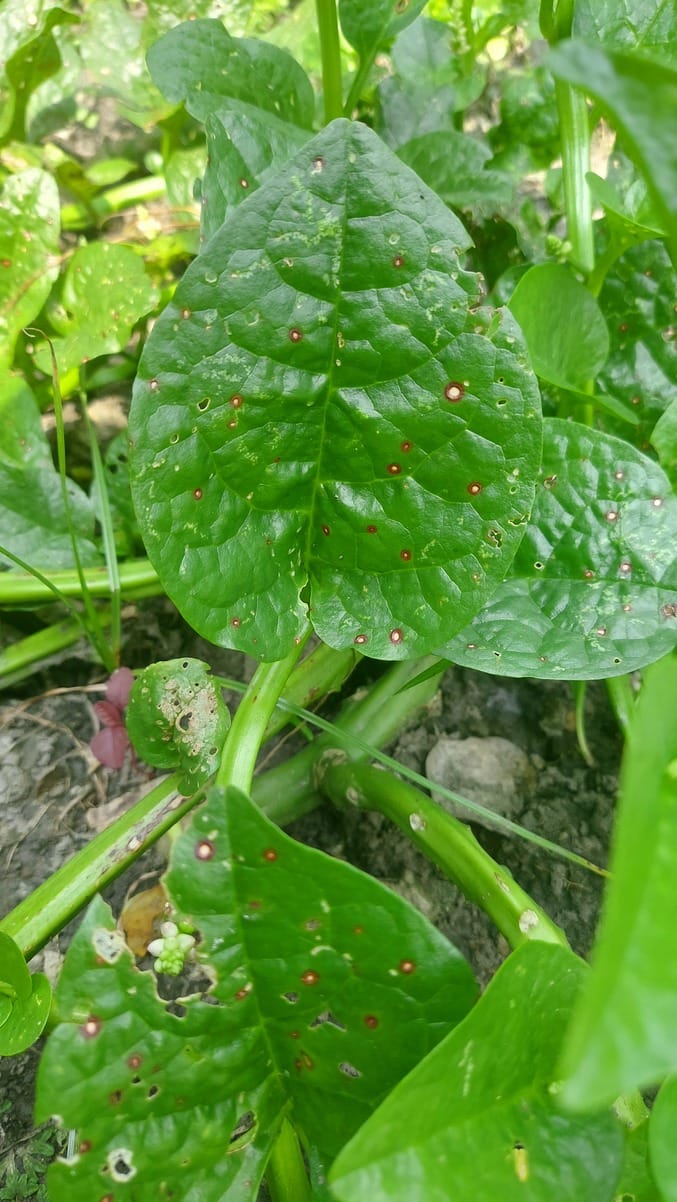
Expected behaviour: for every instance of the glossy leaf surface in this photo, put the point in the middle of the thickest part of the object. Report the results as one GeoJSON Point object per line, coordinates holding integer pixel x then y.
{"type": "Point", "coordinates": [311, 1000]}
{"type": "Point", "coordinates": [592, 591]}
{"type": "Point", "coordinates": [177, 719]}
{"type": "Point", "coordinates": [369, 27]}
{"type": "Point", "coordinates": [477, 1119]}
{"type": "Point", "coordinates": [29, 236]}
{"type": "Point", "coordinates": [662, 1147]}
{"type": "Point", "coordinates": [622, 1034]}
{"type": "Point", "coordinates": [105, 292]}
{"type": "Point", "coordinates": [33, 521]}
{"type": "Point", "coordinates": [318, 405]}
{"type": "Point", "coordinates": [564, 329]}
{"type": "Point", "coordinates": [648, 26]}
{"type": "Point", "coordinates": [640, 98]}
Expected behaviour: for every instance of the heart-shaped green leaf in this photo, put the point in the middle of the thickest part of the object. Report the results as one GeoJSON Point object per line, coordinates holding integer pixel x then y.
{"type": "Point", "coordinates": [368, 27]}
{"type": "Point", "coordinates": [311, 1001]}
{"type": "Point", "coordinates": [105, 292]}
{"type": "Point", "coordinates": [623, 1033]}
{"type": "Point", "coordinates": [33, 521]}
{"type": "Point", "coordinates": [24, 1000]}
{"type": "Point", "coordinates": [477, 1118]}
{"type": "Point", "coordinates": [29, 236]}
{"type": "Point", "coordinates": [318, 406]}
{"type": "Point", "coordinates": [592, 591]}
{"type": "Point", "coordinates": [177, 719]}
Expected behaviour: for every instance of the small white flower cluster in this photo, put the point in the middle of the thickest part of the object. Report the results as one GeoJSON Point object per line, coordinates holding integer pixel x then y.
{"type": "Point", "coordinates": [171, 949]}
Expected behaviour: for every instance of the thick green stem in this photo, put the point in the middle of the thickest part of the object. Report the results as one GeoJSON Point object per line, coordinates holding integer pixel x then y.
{"type": "Point", "coordinates": [319, 674]}
{"type": "Point", "coordinates": [49, 907]}
{"type": "Point", "coordinates": [332, 84]}
{"type": "Point", "coordinates": [137, 578]}
{"type": "Point", "coordinates": [17, 660]}
{"type": "Point", "coordinates": [447, 842]}
{"type": "Point", "coordinates": [575, 143]}
{"type": "Point", "coordinates": [286, 1175]}
{"type": "Point", "coordinates": [252, 716]}
{"type": "Point", "coordinates": [289, 789]}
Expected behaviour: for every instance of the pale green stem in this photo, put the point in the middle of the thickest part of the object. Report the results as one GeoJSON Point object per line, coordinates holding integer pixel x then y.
{"type": "Point", "coordinates": [137, 578]}
{"type": "Point", "coordinates": [575, 143]}
{"type": "Point", "coordinates": [332, 84]}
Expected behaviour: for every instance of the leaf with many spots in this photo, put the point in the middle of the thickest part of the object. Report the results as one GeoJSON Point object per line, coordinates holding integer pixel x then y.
{"type": "Point", "coordinates": [310, 1001]}
{"type": "Point", "coordinates": [33, 519]}
{"type": "Point", "coordinates": [477, 1119]}
{"type": "Point", "coordinates": [177, 718]}
{"type": "Point", "coordinates": [323, 405]}
{"type": "Point", "coordinates": [29, 236]}
{"type": "Point", "coordinates": [105, 292]}
{"type": "Point", "coordinates": [592, 591]}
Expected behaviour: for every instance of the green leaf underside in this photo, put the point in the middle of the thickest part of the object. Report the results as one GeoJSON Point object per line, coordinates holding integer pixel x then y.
{"type": "Point", "coordinates": [323, 997]}
{"type": "Point", "coordinates": [477, 1120]}
{"type": "Point", "coordinates": [592, 591]}
{"type": "Point", "coordinates": [369, 27]}
{"type": "Point", "coordinates": [622, 1036]}
{"type": "Point", "coordinates": [33, 522]}
{"type": "Point", "coordinates": [29, 236]}
{"type": "Point", "coordinates": [662, 1148]}
{"type": "Point", "coordinates": [564, 329]}
{"type": "Point", "coordinates": [640, 97]}
{"type": "Point", "coordinates": [105, 292]}
{"type": "Point", "coordinates": [177, 719]}
{"type": "Point", "coordinates": [318, 404]}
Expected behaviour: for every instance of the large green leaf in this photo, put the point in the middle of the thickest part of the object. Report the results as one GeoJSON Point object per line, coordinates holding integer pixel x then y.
{"type": "Point", "coordinates": [319, 989]}
{"type": "Point", "coordinates": [646, 25]}
{"type": "Point", "coordinates": [455, 166]}
{"type": "Point", "coordinates": [104, 293]}
{"type": "Point", "coordinates": [639, 95]}
{"type": "Point", "coordinates": [199, 63]}
{"type": "Point", "coordinates": [318, 405]}
{"type": "Point", "coordinates": [370, 26]}
{"type": "Point", "coordinates": [564, 329]}
{"type": "Point", "coordinates": [592, 591]}
{"type": "Point", "coordinates": [29, 236]}
{"type": "Point", "coordinates": [477, 1118]}
{"type": "Point", "coordinates": [623, 1032]}
{"type": "Point", "coordinates": [662, 1147]}
{"type": "Point", "coordinates": [33, 521]}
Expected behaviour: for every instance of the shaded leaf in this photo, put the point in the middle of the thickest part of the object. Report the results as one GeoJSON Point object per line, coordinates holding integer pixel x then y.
{"type": "Point", "coordinates": [632, 218]}
{"type": "Point", "coordinates": [565, 332]}
{"type": "Point", "coordinates": [316, 1000]}
{"type": "Point", "coordinates": [318, 405]}
{"type": "Point", "coordinates": [637, 1181]}
{"type": "Point", "coordinates": [662, 1149]}
{"type": "Point", "coordinates": [177, 719]}
{"type": "Point", "coordinates": [592, 591]}
{"type": "Point", "coordinates": [649, 26]}
{"type": "Point", "coordinates": [105, 292]}
{"type": "Point", "coordinates": [477, 1118]}
{"type": "Point", "coordinates": [369, 27]}
{"type": "Point", "coordinates": [29, 235]}
{"type": "Point", "coordinates": [640, 98]}
{"type": "Point", "coordinates": [622, 1033]}
{"type": "Point", "coordinates": [33, 519]}
{"type": "Point", "coordinates": [454, 165]}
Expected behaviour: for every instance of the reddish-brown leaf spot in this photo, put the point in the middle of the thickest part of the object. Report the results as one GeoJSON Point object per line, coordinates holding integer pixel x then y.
{"type": "Point", "coordinates": [394, 469]}
{"type": "Point", "coordinates": [398, 261]}
{"type": "Point", "coordinates": [244, 183]}
{"type": "Point", "coordinates": [236, 401]}
{"type": "Point", "coordinates": [135, 1060]}
{"type": "Point", "coordinates": [371, 1021]}
{"type": "Point", "coordinates": [115, 1097]}
{"type": "Point", "coordinates": [310, 977]}
{"type": "Point", "coordinates": [204, 850]}
{"type": "Point", "coordinates": [396, 636]}
{"type": "Point", "coordinates": [372, 529]}
{"type": "Point", "coordinates": [474, 488]}
{"type": "Point", "coordinates": [406, 446]}
{"type": "Point", "coordinates": [236, 622]}
{"type": "Point", "coordinates": [153, 385]}
{"type": "Point", "coordinates": [197, 493]}
{"type": "Point", "coordinates": [454, 391]}
{"type": "Point", "coordinates": [295, 335]}
{"type": "Point", "coordinates": [326, 530]}
{"type": "Point", "coordinates": [360, 639]}
{"type": "Point", "coordinates": [85, 1146]}
{"type": "Point", "coordinates": [405, 554]}
{"type": "Point", "coordinates": [406, 967]}
{"type": "Point", "coordinates": [91, 1028]}
{"type": "Point", "coordinates": [270, 854]}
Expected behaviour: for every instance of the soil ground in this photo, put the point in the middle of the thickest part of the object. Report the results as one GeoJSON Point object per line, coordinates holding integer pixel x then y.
{"type": "Point", "coordinates": [54, 796]}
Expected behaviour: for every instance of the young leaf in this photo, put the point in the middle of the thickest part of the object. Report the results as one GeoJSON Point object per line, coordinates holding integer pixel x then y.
{"type": "Point", "coordinates": [477, 1118]}
{"type": "Point", "coordinates": [639, 95]}
{"type": "Point", "coordinates": [314, 1003]}
{"type": "Point", "coordinates": [24, 1000]}
{"type": "Point", "coordinates": [370, 26]}
{"type": "Point", "coordinates": [105, 292]}
{"type": "Point", "coordinates": [29, 236]}
{"type": "Point", "coordinates": [662, 1149]}
{"type": "Point", "coordinates": [33, 521]}
{"type": "Point", "coordinates": [593, 588]}
{"type": "Point", "coordinates": [564, 329]}
{"type": "Point", "coordinates": [622, 1033]}
{"type": "Point", "coordinates": [318, 406]}
{"type": "Point", "coordinates": [177, 719]}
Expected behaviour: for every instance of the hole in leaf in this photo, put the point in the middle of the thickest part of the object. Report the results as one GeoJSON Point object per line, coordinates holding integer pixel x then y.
{"type": "Point", "coordinates": [292, 998]}
{"type": "Point", "coordinates": [327, 1019]}
{"type": "Point", "coordinates": [243, 1132]}
{"type": "Point", "coordinates": [153, 1091]}
{"type": "Point", "coordinates": [349, 1070]}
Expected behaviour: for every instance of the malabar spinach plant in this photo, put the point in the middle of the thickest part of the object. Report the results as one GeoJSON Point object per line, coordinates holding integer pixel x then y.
{"type": "Point", "coordinates": [336, 433]}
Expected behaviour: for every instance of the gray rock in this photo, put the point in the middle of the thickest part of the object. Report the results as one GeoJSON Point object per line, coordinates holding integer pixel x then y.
{"type": "Point", "coordinates": [492, 772]}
